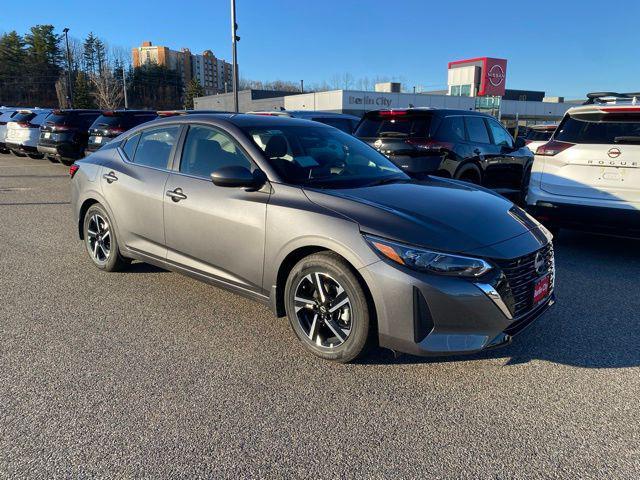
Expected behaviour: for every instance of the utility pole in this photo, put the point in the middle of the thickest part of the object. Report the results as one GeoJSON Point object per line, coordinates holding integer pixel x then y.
{"type": "Point", "coordinates": [234, 39]}
{"type": "Point", "coordinates": [301, 86]}
{"type": "Point", "coordinates": [69, 87]}
{"type": "Point", "coordinates": [124, 88]}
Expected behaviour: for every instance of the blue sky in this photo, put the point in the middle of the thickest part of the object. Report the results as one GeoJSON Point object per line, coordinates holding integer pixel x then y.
{"type": "Point", "coordinates": [565, 47]}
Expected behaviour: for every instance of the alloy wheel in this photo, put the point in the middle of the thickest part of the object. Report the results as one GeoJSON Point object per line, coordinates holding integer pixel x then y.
{"type": "Point", "coordinates": [323, 310]}
{"type": "Point", "coordinates": [99, 238]}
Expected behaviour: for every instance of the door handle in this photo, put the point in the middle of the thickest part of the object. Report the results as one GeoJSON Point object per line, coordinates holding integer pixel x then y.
{"type": "Point", "coordinates": [110, 177]}
{"type": "Point", "coordinates": [176, 195]}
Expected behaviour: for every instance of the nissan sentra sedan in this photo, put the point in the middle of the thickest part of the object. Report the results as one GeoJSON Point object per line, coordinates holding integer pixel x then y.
{"type": "Point", "coordinates": [321, 227]}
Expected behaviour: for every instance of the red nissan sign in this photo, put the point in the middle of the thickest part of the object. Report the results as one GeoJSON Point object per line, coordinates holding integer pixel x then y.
{"type": "Point", "coordinates": [494, 74]}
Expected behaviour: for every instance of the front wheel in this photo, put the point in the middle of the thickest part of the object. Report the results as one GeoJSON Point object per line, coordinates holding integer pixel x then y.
{"type": "Point", "coordinates": [100, 240]}
{"type": "Point", "coordinates": [327, 307]}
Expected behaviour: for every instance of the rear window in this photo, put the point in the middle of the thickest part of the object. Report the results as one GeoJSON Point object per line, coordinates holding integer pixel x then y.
{"type": "Point", "coordinates": [73, 119]}
{"type": "Point", "coordinates": [58, 118]}
{"type": "Point", "coordinates": [539, 135]}
{"type": "Point", "coordinates": [39, 118]}
{"type": "Point", "coordinates": [610, 130]}
{"type": "Point", "coordinates": [396, 126]}
{"type": "Point", "coordinates": [23, 117]}
{"type": "Point", "coordinates": [109, 121]}
{"type": "Point", "coordinates": [6, 116]}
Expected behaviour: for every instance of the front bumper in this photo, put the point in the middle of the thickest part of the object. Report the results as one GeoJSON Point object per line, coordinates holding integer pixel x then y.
{"type": "Point", "coordinates": [424, 314]}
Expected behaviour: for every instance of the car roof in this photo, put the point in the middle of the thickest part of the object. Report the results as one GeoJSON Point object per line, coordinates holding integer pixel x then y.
{"type": "Point", "coordinates": [439, 111]}
{"type": "Point", "coordinates": [238, 119]}
{"type": "Point", "coordinates": [303, 114]}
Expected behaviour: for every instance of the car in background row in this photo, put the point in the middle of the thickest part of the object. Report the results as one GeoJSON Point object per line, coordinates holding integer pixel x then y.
{"type": "Point", "coordinates": [321, 227]}
{"type": "Point", "coordinates": [537, 135]}
{"type": "Point", "coordinates": [112, 123]}
{"type": "Point", "coordinates": [461, 144]}
{"type": "Point", "coordinates": [587, 176]}
{"type": "Point", "coordinates": [6, 114]}
{"type": "Point", "coordinates": [173, 113]}
{"type": "Point", "coordinates": [23, 131]}
{"type": "Point", "coordinates": [64, 135]}
{"type": "Point", "coordinates": [341, 121]}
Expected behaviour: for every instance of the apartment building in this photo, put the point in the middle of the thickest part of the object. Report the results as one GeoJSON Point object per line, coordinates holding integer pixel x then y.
{"type": "Point", "coordinates": [214, 74]}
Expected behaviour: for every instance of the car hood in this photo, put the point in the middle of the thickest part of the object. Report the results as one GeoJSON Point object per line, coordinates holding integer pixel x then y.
{"type": "Point", "coordinates": [435, 213]}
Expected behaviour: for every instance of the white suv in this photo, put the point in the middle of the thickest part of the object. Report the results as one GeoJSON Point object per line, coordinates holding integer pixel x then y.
{"type": "Point", "coordinates": [23, 131]}
{"type": "Point", "coordinates": [588, 175]}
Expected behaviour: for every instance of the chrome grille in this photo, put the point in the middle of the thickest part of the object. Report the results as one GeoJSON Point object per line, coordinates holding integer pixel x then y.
{"type": "Point", "coordinates": [520, 276]}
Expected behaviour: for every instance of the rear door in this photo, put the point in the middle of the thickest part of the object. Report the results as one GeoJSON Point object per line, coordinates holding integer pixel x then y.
{"type": "Point", "coordinates": [216, 230]}
{"type": "Point", "coordinates": [511, 166]}
{"type": "Point", "coordinates": [134, 188]}
{"type": "Point", "coordinates": [599, 158]}
{"type": "Point", "coordinates": [482, 148]}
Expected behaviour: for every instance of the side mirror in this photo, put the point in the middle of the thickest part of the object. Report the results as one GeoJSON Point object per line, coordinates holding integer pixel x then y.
{"type": "Point", "coordinates": [519, 143]}
{"type": "Point", "coordinates": [237, 176]}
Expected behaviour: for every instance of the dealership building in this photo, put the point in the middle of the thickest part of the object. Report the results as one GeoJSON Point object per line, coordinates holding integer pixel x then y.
{"type": "Point", "coordinates": [473, 84]}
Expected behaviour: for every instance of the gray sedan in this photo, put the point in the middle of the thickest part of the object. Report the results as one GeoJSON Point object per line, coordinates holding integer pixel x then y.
{"type": "Point", "coordinates": [321, 227]}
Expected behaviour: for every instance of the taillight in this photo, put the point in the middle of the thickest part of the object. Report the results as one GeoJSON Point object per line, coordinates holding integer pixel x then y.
{"type": "Point", "coordinates": [392, 113]}
{"type": "Point", "coordinates": [553, 147]}
{"type": "Point", "coordinates": [527, 142]}
{"type": "Point", "coordinates": [73, 169]}
{"type": "Point", "coordinates": [59, 128]}
{"type": "Point", "coordinates": [27, 125]}
{"type": "Point", "coordinates": [115, 131]}
{"type": "Point", "coordinates": [430, 145]}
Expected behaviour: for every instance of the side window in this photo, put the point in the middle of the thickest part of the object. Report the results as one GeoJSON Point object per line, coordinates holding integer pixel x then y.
{"type": "Point", "coordinates": [155, 145]}
{"type": "Point", "coordinates": [451, 130]}
{"type": "Point", "coordinates": [130, 145]}
{"type": "Point", "coordinates": [207, 149]}
{"type": "Point", "coordinates": [500, 136]}
{"type": "Point", "coordinates": [477, 130]}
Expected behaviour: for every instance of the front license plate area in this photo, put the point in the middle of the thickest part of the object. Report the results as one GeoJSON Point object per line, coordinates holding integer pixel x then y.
{"type": "Point", "coordinates": [541, 290]}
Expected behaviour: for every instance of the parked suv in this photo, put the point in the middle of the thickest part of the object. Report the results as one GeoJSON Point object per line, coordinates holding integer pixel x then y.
{"type": "Point", "coordinates": [64, 135]}
{"type": "Point", "coordinates": [111, 124]}
{"type": "Point", "coordinates": [6, 114]}
{"type": "Point", "coordinates": [538, 135]}
{"type": "Point", "coordinates": [341, 121]}
{"type": "Point", "coordinates": [23, 130]}
{"type": "Point", "coordinates": [588, 175]}
{"type": "Point", "coordinates": [461, 144]}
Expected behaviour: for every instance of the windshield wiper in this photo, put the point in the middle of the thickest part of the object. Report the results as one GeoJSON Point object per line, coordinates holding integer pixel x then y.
{"type": "Point", "coordinates": [388, 180]}
{"type": "Point", "coordinates": [627, 139]}
{"type": "Point", "coordinates": [393, 134]}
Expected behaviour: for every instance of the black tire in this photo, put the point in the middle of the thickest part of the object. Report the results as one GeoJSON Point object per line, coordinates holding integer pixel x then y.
{"type": "Point", "coordinates": [18, 154]}
{"type": "Point", "coordinates": [469, 173]}
{"type": "Point", "coordinates": [52, 159]}
{"type": "Point", "coordinates": [113, 261]}
{"type": "Point", "coordinates": [36, 156]}
{"type": "Point", "coordinates": [67, 161]}
{"type": "Point", "coordinates": [336, 271]}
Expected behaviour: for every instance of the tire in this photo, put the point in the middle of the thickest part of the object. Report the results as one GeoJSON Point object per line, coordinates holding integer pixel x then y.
{"type": "Point", "coordinates": [18, 154]}
{"type": "Point", "coordinates": [66, 161]}
{"type": "Point", "coordinates": [106, 254]}
{"type": "Point", "coordinates": [36, 156]}
{"type": "Point", "coordinates": [341, 335]}
{"type": "Point", "coordinates": [469, 173]}
{"type": "Point", "coordinates": [52, 159]}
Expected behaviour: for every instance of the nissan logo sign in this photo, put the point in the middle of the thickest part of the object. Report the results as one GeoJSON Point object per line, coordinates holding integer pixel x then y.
{"type": "Point", "coordinates": [614, 152]}
{"type": "Point", "coordinates": [496, 75]}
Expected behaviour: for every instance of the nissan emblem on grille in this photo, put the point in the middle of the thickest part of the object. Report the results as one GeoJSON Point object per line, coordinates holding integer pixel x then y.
{"type": "Point", "coordinates": [539, 263]}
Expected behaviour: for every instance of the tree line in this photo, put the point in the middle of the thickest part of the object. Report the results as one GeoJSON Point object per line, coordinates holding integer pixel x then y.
{"type": "Point", "coordinates": [34, 71]}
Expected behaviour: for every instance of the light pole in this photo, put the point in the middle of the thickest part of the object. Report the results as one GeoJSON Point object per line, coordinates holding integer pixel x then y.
{"type": "Point", "coordinates": [124, 88]}
{"type": "Point", "coordinates": [234, 39]}
{"type": "Point", "coordinates": [69, 87]}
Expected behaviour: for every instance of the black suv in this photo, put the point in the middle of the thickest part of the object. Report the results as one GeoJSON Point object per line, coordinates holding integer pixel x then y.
{"type": "Point", "coordinates": [461, 144]}
{"type": "Point", "coordinates": [111, 124]}
{"type": "Point", "coordinates": [64, 135]}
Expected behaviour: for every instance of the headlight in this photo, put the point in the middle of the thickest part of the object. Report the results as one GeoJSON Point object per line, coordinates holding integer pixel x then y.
{"type": "Point", "coordinates": [428, 260]}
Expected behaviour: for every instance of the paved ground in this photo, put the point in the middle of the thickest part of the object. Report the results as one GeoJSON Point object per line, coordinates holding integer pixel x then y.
{"type": "Point", "coordinates": [148, 373]}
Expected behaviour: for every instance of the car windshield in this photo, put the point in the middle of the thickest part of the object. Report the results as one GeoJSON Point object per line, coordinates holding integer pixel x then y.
{"type": "Point", "coordinates": [322, 157]}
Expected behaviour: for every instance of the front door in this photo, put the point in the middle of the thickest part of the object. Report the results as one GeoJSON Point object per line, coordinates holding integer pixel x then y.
{"type": "Point", "coordinates": [218, 231]}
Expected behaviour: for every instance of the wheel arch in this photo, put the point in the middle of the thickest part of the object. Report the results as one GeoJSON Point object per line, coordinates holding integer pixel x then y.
{"type": "Point", "coordinates": [83, 210]}
{"type": "Point", "coordinates": [470, 164]}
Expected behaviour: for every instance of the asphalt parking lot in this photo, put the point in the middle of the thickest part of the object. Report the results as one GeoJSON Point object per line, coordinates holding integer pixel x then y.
{"type": "Point", "coordinates": [149, 373]}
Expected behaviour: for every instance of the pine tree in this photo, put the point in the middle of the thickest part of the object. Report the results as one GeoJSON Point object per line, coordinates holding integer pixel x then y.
{"type": "Point", "coordinates": [89, 53]}
{"type": "Point", "coordinates": [100, 55]}
{"type": "Point", "coordinates": [42, 65]}
{"type": "Point", "coordinates": [194, 89]}
{"type": "Point", "coordinates": [82, 96]}
{"type": "Point", "coordinates": [12, 61]}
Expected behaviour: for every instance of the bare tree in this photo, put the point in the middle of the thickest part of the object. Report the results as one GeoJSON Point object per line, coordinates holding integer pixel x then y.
{"type": "Point", "coordinates": [108, 91]}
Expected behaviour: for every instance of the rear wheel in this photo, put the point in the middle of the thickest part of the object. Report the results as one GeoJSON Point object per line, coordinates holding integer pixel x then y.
{"type": "Point", "coordinates": [67, 161]}
{"type": "Point", "coordinates": [100, 240]}
{"type": "Point", "coordinates": [52, 159]}
{"type": "Point", "coordinates": [18, 154]}
{"type": "Point", "coordinates": [36, 156]}
{"type": "Point", "coordinates": [470, 173]}
{"type": "Point", "coordinates": [327, 307]}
